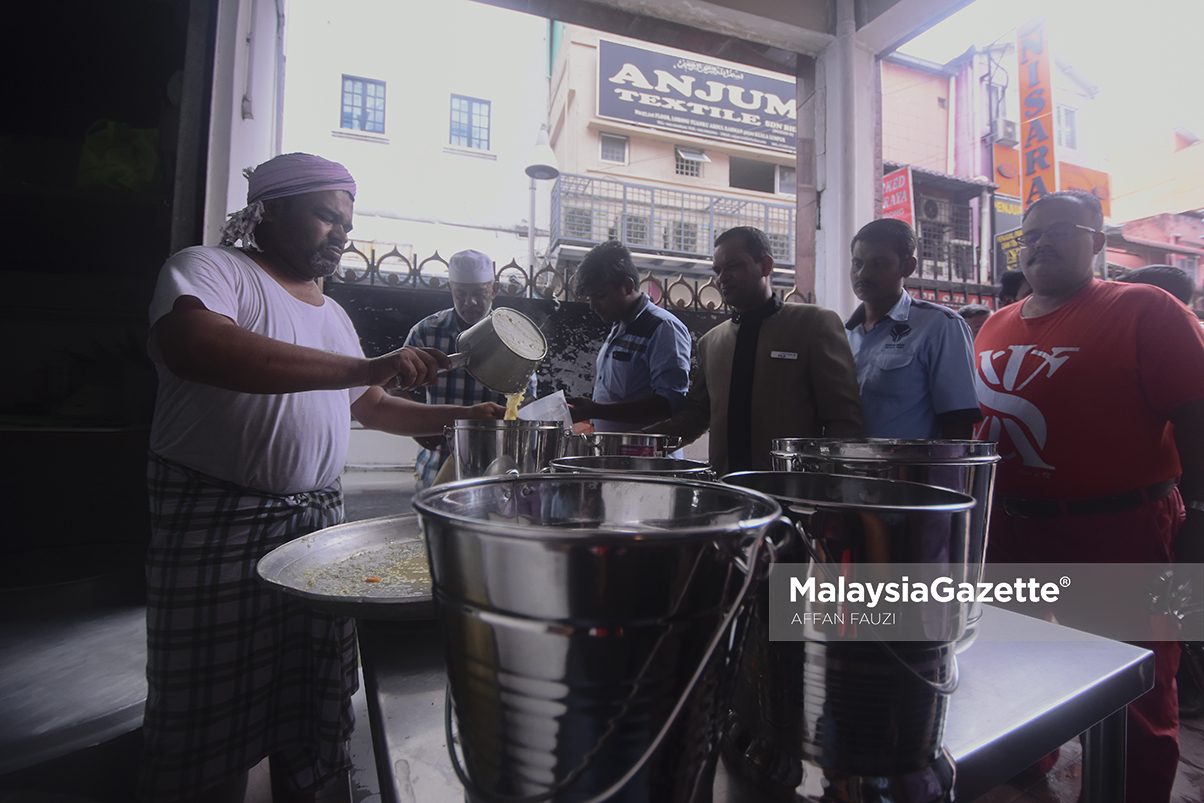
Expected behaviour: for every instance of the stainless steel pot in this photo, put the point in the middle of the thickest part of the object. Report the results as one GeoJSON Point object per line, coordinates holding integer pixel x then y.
{"type": "Point", "coordinates": [623, 444]}
{"type": "Point", "coordinates": [861, 714]}
{"type": "Point", "coordinates": [484, 448]}
{"type": "Point", "coordinates": [963, 466]}
{"type": "Point", "coordinates": [586, 628]}
{"type": "Point", "coordinates": [501, 350]}
{"type": "Point", "coordinates": [618, 464]}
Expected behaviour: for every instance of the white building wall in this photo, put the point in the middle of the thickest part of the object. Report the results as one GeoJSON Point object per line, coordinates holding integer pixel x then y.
{"type": "Point", "coordinates": [243, 123]}
{"type": "Point", "coordinates": [414, 187]}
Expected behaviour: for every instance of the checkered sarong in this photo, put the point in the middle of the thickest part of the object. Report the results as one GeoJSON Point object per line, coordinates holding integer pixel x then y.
{"type": "Point", "coordinates": [236, 671]}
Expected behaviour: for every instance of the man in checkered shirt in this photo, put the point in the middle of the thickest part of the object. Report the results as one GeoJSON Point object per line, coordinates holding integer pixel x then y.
{"type": "Point", "coordinates": [473, 288]}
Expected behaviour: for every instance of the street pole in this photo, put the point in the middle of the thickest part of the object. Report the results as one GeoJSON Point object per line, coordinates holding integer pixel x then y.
{"type": "Point", "coordinates": [531, 232]}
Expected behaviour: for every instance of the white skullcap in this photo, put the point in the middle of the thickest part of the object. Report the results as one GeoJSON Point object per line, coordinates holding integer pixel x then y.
{"type": "Point", "coordinates": [470, 267]}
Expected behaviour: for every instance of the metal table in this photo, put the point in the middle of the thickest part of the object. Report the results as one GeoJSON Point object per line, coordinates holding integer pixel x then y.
{"type": "Point", "coordinates": [1023, 692]}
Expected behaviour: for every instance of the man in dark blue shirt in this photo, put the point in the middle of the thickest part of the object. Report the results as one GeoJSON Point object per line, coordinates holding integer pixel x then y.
{"type": "Point", "coordinates": [644, 365]}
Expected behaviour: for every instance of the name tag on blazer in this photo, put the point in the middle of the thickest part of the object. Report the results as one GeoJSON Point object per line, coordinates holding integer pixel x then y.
{"type": "Point", "coordinates": [784, 355]}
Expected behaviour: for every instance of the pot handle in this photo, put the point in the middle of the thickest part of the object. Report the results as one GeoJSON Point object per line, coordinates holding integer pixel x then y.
{"type": "Point", "coordinates": [458, 360]}
{"type": "Point", "coordinates": [742, 598]}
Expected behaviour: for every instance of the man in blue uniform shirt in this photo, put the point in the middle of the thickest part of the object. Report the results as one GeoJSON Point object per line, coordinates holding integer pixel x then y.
{"type": "Point", "coordinates": [644, 366]}
{"type": "Point", "coordinates": [915, 359]}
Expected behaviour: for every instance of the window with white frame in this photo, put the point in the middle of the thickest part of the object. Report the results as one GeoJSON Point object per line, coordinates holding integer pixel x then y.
{"type": "Point", "coordinates": [688, 162]}
{"type": "Point", "coordinates": [613, 148]}
{"type": "Point", "coordinates": [469, 122]}
{"type": "Point", "coordinates": [363, 107]}
{"type": "Point", "coordinates": [1068, 128]}
{"type": "Point", "coordinates": [786, 185]}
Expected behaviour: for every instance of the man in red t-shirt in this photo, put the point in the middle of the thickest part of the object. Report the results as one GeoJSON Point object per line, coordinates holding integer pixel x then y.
{"type": "Point", "coordinates": [1079, 384]}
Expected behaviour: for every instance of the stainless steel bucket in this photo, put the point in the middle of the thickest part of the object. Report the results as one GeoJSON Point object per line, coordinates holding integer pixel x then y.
{"type": "Point", "coordinates": [858, 714]}
{"type": "Point", "coordinates": [963, 466]}
{"type": "Point", "coordinates": [623, 444]}
{"type": "Point", "coordinates": [586, 620]}
{"type": "Point", "coordinates": [492, 448]}
{"type": "Point", "coordinates": [618, 464]}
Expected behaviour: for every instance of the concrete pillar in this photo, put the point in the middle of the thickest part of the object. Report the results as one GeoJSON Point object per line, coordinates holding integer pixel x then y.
{"type": "Point", "coordinates": [847, 180]}
{"type": "Point", "coordinates": [806, 197]}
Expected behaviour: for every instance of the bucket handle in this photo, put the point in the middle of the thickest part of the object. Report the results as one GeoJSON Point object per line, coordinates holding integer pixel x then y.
{"type": "Point", "coordinates": [752, 560]}
{"type": "Point", "coordinates": [947, 687]}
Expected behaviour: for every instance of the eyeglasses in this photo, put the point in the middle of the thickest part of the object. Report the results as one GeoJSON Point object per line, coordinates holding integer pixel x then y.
{"type": "Point", "coordinates": [1055, 233]}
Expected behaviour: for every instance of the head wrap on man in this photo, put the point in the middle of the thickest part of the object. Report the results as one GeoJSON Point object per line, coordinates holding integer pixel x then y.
{"type": "Point", "coordinates": [287, 174]}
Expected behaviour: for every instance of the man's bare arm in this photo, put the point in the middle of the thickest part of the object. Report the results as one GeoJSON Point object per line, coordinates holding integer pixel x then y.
{"type": "Point", "coordinates": [399, 415]}
{"type": "Point", "coordinates": [204, 346]}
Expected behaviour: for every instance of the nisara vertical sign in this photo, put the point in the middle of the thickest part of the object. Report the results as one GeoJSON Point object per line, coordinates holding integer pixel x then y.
{"type": "Point", "coordinates": [697, 97]}
{"type": "Point", "coordinates": [1036, 113]}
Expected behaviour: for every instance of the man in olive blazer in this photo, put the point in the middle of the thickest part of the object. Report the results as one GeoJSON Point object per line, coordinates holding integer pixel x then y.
{"type": "Point", "coordinates": [773, 371]}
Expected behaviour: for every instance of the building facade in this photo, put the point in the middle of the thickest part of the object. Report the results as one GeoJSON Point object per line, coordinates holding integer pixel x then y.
{"type": "Point", "coordinates": [437, 129]}
{"type": "Point", "coordinates": [664, 150]}
{"type": "Point", "coordinates": [981, 136]}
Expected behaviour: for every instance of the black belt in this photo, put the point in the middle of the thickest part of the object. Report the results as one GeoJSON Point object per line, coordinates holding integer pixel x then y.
{"type": "Point", "coordinates": [1115, 503]}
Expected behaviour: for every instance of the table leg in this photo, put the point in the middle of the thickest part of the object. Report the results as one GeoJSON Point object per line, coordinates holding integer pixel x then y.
{"type": "Point", "coordinates": [384, 774]}
{"type": "Point", "coordinates": [1104, 746]}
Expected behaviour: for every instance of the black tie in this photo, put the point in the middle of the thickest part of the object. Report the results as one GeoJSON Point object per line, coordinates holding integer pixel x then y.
{"type": "Point", "coordinates": [740, 394]}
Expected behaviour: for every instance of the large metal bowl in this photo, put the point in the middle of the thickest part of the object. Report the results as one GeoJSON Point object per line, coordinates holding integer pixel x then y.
{"type": "Point", "coordinates": [328, 569]}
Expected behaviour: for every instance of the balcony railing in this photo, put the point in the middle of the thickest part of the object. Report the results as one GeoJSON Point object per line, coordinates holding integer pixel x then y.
{"type": "Point", "coordinates": [588, 210]}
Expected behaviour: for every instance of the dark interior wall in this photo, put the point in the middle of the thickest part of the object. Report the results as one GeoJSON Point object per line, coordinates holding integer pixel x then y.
{"type": "Point", "coordinates": [383, 317]}
{"type": "Point", "coordinates": [78, 271]}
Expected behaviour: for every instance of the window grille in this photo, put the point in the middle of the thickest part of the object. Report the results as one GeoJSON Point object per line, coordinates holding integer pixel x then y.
{"type": "Point", "coordinates": [962, 221]}
{"type": "Point", "coordinates": [687, 162]}
{"type": "Point", "coordinates": [681, 236]}
{"type": "Point", "coordinates": [779, 247]}
{"type": "Point", "coordinates": [684, 167]}
{"type": "Point", "coordinates": [577, 224]}
{"type": "Point", "coordinates": [469, 122]}
{"type": "Point", "coordinates": [635, 230]}
{"type": "Point", "coordinates": [363, 105]}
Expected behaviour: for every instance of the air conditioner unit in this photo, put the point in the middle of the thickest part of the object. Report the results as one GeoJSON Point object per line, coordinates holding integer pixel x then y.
{"type": "Point", "coordinates": [933, 210]}
{"type": "Point", "coordinates": [1007, 132]}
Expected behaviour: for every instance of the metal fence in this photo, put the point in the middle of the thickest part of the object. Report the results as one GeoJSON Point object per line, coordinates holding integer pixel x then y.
{"type": "Point", "coordinates": [587, 210]}
{"type": "Point", "coordinates": [369, 264]}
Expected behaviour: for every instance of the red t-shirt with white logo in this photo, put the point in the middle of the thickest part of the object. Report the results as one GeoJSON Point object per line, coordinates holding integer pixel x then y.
{"type": "Point", "coordinates": [1078, 399]}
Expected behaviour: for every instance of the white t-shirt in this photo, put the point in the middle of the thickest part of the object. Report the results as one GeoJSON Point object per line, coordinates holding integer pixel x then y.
{"type": "Point", "coordinates": [282, 444]}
